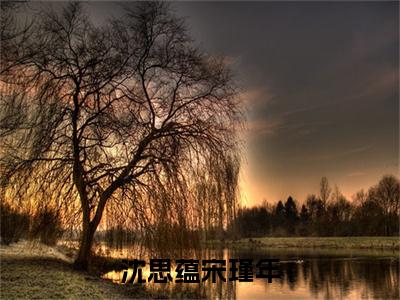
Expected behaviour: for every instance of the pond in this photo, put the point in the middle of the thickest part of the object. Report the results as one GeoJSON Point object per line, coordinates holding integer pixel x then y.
{"type": "Point", "coordinates": [305, 274]}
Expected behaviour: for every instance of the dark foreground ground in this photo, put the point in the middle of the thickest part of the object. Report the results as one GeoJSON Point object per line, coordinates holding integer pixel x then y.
{"type": "Point", "coordinates": [34, 271]}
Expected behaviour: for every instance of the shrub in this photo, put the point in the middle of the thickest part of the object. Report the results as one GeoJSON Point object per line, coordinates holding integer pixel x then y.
{"type": "Point", "coordinates": [46, 226]}
{"type": "Point", "coordinates": [14, 224]}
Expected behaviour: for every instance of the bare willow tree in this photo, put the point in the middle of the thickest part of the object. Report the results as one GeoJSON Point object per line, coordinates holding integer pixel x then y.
{"type": "Point", "coordinates": [386, 194]}
{"type": "Point", "coordinates": [324, 191]}
{"type": "Point", "coordinates": [116, 111]}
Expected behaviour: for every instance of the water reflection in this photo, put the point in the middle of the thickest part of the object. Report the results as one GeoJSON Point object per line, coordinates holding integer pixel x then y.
{"type": "Point", "coordinates": [305, 275]}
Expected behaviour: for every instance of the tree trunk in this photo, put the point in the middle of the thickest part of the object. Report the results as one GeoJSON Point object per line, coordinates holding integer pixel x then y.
{"type": "Point", "coordinates": [85, 247]}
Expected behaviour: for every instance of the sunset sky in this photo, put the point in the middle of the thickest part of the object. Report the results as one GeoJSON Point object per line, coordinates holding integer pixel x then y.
{"type": "Point", "coordinates": [320, 85]}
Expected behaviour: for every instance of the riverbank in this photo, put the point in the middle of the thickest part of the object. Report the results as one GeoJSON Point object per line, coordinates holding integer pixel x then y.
{"type": "Point", "coordinates": [32, 270]}
{"type": "Point", "coordinates": [35, 271]}
{"type": "Point", "coordinates": [373, 243]}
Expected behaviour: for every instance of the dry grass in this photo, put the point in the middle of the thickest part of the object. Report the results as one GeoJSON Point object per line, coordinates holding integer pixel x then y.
{"type": "Point", "coordinates": [384, 243]}
{"type": "Point", "coordinates": [35, 271]}
{"type": "Point", "coordinates": [330, 243]}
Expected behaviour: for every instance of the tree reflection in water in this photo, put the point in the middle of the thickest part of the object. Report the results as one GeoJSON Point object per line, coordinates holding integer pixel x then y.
{"type": "Point", "coordinates": [313, 276]}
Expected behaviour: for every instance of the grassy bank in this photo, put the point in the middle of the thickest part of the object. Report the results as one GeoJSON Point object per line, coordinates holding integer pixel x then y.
{"type": "Point", "coordinates": [37, 271]}
{"type": "Point", "coordinates": [378, 243]}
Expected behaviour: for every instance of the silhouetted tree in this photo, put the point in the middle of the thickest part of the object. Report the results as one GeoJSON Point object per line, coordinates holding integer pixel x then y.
{"type": "Point", "coordinates": [324, 190]}
{"type": "Point", "coordinates": [304, 221]}
{"type": "Point", "coordinates": [279, 218]}
{"type": "Point", "coordinates": [369, 214]}
{"type": "Point", "coordinates": [368, 219]}
{"type": "Point", "coordinates": [339, 212]}
{"type": "Point", "coordinates": [291, 215]}
{"type": "Point", "coordinates": [387, 195]}
{"type": "Point", "coordinates": [128, 111]}
{"type": "Point", "coordinates": [253, 222]}
{"type": "Point", "coordinates": [316, 210]}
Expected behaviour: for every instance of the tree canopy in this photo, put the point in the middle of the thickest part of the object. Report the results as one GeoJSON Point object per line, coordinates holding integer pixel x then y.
{"type": "Point", "coordinates": [130, 110]}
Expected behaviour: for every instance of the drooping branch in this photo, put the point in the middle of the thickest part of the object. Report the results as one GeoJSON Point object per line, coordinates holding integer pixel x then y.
{"type": "Point", "coordinates": [131, 108]}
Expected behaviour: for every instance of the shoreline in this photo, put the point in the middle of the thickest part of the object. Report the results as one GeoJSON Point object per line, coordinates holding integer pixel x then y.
{"type": "Point", "coordinates": [50, 274]}
{"type": "Point", "coordinates": [318, 243]}
{"type": "Point", "coordinates": [36, 271]}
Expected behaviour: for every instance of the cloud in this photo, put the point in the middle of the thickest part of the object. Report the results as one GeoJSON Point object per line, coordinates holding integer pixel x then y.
{"type": "Point", "coordinates": [256, 96]}
{"type": "Point", "coordinates": [366, 44]}
{"type": "Point", "coordinates": [302, 109]}
{"type": "Point", "coordinates": [356, 174]}
{"type": "Point", "coordinates": [264, 127]}
{"type": "Point", "coordinates": [337, 154]}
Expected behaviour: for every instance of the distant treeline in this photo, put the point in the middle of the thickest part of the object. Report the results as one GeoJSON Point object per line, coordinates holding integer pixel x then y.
{"type": "Point", "coordinates": [371, 213]}
{"type": "Point", "coordinates": [43, 224]}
